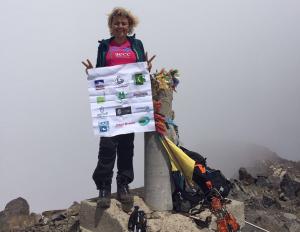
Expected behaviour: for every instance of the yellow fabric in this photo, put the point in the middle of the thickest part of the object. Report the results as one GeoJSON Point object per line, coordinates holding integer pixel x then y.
{"type": "Point", "coordinates": [181, 160]}
{"type": "Point", "coordinates": [173, 166]}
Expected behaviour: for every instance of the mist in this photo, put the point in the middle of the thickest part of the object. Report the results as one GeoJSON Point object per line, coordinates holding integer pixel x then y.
{"type": "Point", "coordinates": [239, 85]}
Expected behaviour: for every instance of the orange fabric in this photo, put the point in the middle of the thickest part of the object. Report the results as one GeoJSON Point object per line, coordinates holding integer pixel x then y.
{"type": "Point", "coordinates": [160, 125]}
{"type": "Point", "coordinates": [222, 225]}
{"type": "Point", "coordinates": [216, 204]}
{"type": "Point", "coordinates": [201, 168]}
{"type": "Point", "coordinates": [157, 106]}
{"type": "Point", "coordinates": [230, 219]}
{"type": "Point", "coordinates": [209, 184]}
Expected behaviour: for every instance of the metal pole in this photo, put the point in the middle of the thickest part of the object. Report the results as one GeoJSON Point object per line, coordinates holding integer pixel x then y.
{"type": "Point", "coordinates": [256, 226]}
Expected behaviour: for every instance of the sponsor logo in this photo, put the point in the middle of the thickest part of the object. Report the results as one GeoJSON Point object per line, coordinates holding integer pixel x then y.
{"type": "Point", "coordinates": [142, 109]}
{"type": "Point", "coordinates": [139, 79]}
{"type": "Point", "coordinates": [119, 80]}
{"type": "Point", "coordinates": [123, 111]}
{"type": "Point", "coordinates": [103, 126]}
{"type": "Point", "coordinates": [99, 84]}
{"type": "Point", "coordinates": [124, 124]}
{"type": "Point", "coordinates": [102, 113]}
{"type": "Point", "coordinates": [140, 94]}
{"type": "Point", "coordinates": [121, 95]}
{"type": "Point", "coordinates": [100, 99]}
{"type": "Point", "coordinates": [101, 109]}
{"type": "Point", "coordinates": [143, 121]}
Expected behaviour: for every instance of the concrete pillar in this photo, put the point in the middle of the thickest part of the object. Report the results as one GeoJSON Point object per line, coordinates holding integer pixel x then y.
{"type": "Point", "coordinates": [158, 191]}
{"type": "Point", "coordinates": [158, 194]}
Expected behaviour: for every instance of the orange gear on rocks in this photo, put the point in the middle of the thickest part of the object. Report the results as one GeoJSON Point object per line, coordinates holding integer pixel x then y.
{"type": "Point", "coordinates": [226, 222]}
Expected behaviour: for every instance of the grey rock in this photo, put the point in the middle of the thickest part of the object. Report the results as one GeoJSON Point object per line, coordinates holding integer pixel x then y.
{"type": "Point", "coordinates": [289, 187]}
{"type": "Point", "coordinates": [74, 227]}
{"type": "Point", "coordinates": [44, 228]}
{"type": "Point", "coordinates": [253, 203]}
{"type": "Point", "coordinates": [16, 207]}
{"type": "Point", "coordinates": [74, 209]}
{"type": "Point", "coordinates": [268, 202]}
{"type": "Point", "coordinates": [282, 197]}
{"type": "Point", "coordinates": [3, 222]}
{"type": "Point", "coordinates": [52, 214]}
{"type": "Point", "coordinates": [245, 177]}
{"type": "Point", "coordinates": [58, 217]}
{"type": "Point", "coordinates": [292, 226]}
{"type": "Point", "coordinates": [290, 216]}
{"type": "Point", "coordinates": [262, 181]}
{"type": "Point", "coordinates": [155, 215]}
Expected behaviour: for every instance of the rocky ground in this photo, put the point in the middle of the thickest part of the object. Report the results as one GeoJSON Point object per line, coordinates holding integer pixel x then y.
{"type": "Point", "coordinates": [270, 190]}
{"type": "Point", "coordinates": [16, 218]}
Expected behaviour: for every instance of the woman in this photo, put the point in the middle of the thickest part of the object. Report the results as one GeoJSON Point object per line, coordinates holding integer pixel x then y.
{"type": "Point", "coordinates": [119, 49]}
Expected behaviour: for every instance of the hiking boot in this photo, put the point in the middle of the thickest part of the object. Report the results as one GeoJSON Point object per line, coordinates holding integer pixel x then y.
{"type": "Point", "coordinates": [104, 196]}
{"type": "Point", "coordinates": [123, 194]}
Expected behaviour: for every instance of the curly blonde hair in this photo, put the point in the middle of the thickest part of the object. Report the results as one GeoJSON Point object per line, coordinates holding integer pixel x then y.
{"type": "Point", "coordinates": [120, 11]}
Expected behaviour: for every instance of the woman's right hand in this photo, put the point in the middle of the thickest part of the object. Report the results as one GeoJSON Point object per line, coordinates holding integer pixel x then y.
{"type": "Point", "coordinates": [87, 64]}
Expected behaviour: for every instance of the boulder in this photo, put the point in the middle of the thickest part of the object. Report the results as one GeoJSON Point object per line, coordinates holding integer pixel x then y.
{"type": "Point", "coordinates": [16, 216]}
{"type": "Point", "coordinates": [245, 177]}
{"type": "Point", "coordinates": [262, 181]}
{"type": "Point", "coordinates": [289, 187]}
{"type": "Point", "coordinates": [74, 209]}
{"type": "Point", "coordinates": [269, 202]}
{"type": "Point", "coordinates": [16, 207]}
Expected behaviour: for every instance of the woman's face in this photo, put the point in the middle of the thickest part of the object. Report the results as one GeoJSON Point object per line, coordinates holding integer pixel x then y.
{"type": "Point", "coordinates": [120, 26]}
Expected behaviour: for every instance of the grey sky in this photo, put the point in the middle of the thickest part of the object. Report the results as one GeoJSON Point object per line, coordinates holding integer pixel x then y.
{"type": "Point", "coordinates": [239, 64]}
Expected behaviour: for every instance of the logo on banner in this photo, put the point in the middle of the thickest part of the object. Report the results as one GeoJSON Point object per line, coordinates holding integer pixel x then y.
{"type": "Point", "coordinates": [123, 111]}
{"type": "Point", "coordinates": [124, 124]}
{"type": "Point", "coordinates": [143, 121]}
{"type": "Point", "coordinates": [142, 109]}
{"type": "Point", "coordinates": [102, 113]}
{"type": "Point", "coordinates": [103, 126]}
{"type": "Point", "coordinates": [140, 94]}
{"type": "Point", "coordinates": [100, 99]}
{"type": "Point", "coordinates": [121, 95]}
{"type": "Point", "coordinates": [139, 79]}
{"type": "Point", "coordinates": [99, 84]}
{"type": "Point", "coordinates": [119, 80]}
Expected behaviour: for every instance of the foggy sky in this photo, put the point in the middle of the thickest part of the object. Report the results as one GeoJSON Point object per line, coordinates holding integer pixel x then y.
{"type": "Point", "coordinates": [239, 65]}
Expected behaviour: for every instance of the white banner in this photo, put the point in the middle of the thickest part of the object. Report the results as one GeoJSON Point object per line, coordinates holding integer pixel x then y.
{"type": "Point", "coordinates": [121, 99]}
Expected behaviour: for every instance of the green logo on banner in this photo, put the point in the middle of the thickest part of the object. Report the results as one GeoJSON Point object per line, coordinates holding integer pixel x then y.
{"type": "Point", "coordinates": [143, 121]}
{"type": "Point", "coordinates": [121, 95]}
{"type": "Point", "coordinates": [100, 99]}
{"type": "Point", "coordinates": [139, 79]}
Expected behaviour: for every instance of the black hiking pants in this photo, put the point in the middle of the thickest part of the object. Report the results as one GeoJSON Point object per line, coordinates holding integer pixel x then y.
{"type": "Point", "coordinates": [110, 147]}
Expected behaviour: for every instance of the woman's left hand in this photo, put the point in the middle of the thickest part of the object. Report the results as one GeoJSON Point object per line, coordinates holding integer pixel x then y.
{"type": "Point", "coordinates": [149, 61]}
